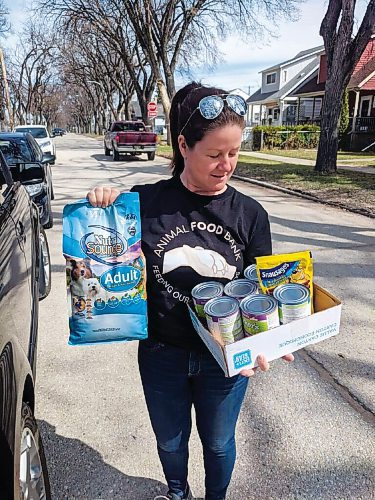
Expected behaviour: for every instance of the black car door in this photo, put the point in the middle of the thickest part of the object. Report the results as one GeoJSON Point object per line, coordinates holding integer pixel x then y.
{"type": "Point", "coordinates": [15, 286]}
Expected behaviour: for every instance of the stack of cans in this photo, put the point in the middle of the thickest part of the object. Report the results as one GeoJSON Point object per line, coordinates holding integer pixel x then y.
{"type": "Point", "coordinates": [239, 309]}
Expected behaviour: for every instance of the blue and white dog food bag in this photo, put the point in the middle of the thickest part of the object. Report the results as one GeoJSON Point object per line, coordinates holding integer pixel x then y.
{"type": "Point", "coordinates": [105, 271]}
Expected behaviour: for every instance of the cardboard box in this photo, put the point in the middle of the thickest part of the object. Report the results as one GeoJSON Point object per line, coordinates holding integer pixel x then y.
{"type": "Point", "coordinates": [321, 325]}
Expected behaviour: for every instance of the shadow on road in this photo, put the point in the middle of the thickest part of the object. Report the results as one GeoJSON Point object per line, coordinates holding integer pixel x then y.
{"type": "Point", "coordinates": [355, 236]}
{"type": "Point", "coordinates": [78, 471]}
{"type": "Point", "coordinates": [123, 158]}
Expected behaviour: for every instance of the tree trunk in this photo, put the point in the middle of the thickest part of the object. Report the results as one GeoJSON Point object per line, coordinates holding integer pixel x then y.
{"type": "Point", "coordinates": [166, 106]}
{"type": "Point", "coordinates": [326, 161]}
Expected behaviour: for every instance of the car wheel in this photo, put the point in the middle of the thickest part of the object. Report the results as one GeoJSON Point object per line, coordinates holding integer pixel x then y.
{"type": "Point", "coordinates": [107, 151]}
{"type": "Point", "coordinates": [33, 474]}
{"type": "Point", "coordinates": [44, 266]}
{"type": "Point", "coordinates": [151, 156]}
{"type": "Point", "coordinates": [115, 155]}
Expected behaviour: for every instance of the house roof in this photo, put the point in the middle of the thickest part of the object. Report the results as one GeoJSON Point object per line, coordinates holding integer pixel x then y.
{"type": "Point", "coordinates": [297, 79]}
{"type": "Point", "coordinates": [300, 55]}
{"type": "Point", "coordinates": [310, 85]}
{"type": "Point", "coordinates": [363, 75]}
{"type": "Point", "coordinates": [240, 92]}
{"type": "Point", "coordinates": [358, 80]}
{"type": "Point", "coordinates": [258, 97]}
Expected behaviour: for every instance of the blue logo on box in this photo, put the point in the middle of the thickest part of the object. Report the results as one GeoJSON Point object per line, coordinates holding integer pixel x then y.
{"type": "Point", "coordinates": [242, 359]}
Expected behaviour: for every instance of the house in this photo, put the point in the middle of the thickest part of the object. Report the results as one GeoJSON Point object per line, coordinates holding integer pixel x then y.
{"type": "Point", "coordinates": [273, 99]}
{"type": "Point", "coordinates": [361, 89]}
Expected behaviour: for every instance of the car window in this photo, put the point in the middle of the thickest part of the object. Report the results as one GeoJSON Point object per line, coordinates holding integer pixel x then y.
{"type": "Point", "coordinates": [37, 152]}
{"type": "Point", "coordinates": [38, 133]}
{"type": "Point", "coordinates": [124, 127]}
{"type": "Point", "coordinates": [16, 150]}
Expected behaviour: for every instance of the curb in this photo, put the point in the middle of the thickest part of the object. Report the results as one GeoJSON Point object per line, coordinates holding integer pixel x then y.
{"type": "Point", "coordinates": [302, 194]}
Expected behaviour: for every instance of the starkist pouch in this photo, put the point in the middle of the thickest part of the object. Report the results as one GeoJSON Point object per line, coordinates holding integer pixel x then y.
{"type": "Point", "coordinates": [275, 270]}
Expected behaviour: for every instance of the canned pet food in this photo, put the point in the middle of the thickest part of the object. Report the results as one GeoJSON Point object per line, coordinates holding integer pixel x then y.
{"type": "Point", "coordinates": [224, 319]}
{"type": "Point", "coordinates": [259, 314]}
{"type": "Point", "coordinates": [250, 273]}
{"type": "Point", "coordinates": [203, 292]}
{"type": "Point", "coordinates": [294, 302]}
{"type": "Point", "coordinates": [238, 289]}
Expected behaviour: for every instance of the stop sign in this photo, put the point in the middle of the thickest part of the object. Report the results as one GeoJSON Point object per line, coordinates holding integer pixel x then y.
{"type": "Point", "coordinates": [152, 106]}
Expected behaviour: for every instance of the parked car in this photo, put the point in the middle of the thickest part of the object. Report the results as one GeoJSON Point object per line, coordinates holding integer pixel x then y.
{"type": "Point", "coordinates": [58, 131]}
{"type": "Point", "coordinates": [24, 280]}
{"type": "Point", "coordinates": [19, 148]}
{"type": "Point", "coordinates": [42, 137]}
{"type": "Point", "coordinates": [129, 137]}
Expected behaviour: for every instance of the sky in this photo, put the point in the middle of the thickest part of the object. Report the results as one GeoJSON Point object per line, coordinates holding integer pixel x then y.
{"type": "Point", "coordinates": [243, 60]}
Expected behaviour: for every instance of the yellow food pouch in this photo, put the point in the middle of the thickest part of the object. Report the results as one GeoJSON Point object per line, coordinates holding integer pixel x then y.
{"type": "Point", "coordinates": [275, 270]}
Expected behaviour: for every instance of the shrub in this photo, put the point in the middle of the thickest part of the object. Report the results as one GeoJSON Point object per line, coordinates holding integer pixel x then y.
{"type": "Point", "coordinates": [286, 137]}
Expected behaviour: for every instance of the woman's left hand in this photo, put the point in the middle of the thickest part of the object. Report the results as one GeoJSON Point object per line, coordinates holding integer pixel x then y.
{"type": "Point", "coordinates": [263, 365]}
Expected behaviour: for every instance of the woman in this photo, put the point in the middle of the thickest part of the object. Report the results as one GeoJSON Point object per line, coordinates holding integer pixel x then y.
{"type": "Point", "coordinates": [195, 228]}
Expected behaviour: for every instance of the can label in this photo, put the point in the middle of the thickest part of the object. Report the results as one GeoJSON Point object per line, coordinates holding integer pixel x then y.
{"type": "Point", "coordinates": [199, 306]}
{"type": "Point", "coordinates": [291, 312]}
{"type": "Point", "coordinates": [256, 323]}
{"type": "Point", "coordinates": [227, 328]}
{"type": "Point", "coordinates": [204, 292]}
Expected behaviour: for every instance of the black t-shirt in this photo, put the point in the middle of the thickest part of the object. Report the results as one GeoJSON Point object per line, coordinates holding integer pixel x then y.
{"type": "Point", "coordinates": [188, 239]}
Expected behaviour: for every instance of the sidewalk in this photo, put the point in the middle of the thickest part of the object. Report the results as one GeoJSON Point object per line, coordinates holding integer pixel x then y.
{"type": "Point", "coordinates": [301, 161]}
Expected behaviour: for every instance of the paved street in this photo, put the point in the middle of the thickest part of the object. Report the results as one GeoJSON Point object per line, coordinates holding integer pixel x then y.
{"type": "Point", "coordinates": [306, 430]}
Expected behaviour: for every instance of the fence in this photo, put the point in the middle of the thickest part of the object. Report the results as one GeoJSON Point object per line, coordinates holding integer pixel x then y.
{"type": "Point", "coordinates": [247, 139]}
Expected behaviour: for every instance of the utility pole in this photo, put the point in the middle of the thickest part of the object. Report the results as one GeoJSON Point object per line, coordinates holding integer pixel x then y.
{"type": "Point", "coordinates": [6, 88]}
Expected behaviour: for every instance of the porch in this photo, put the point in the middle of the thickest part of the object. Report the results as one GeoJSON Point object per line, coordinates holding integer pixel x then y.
{"type": "Point", "coordinates": [363, 125]}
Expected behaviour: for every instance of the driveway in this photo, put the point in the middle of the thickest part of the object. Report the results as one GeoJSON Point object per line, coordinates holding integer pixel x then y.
{"type": "Point", "coordinates": [306, 429]}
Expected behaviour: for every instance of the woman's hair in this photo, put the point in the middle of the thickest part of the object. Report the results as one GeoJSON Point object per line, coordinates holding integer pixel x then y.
{"type": "Point", "coordinates": [183, 104]}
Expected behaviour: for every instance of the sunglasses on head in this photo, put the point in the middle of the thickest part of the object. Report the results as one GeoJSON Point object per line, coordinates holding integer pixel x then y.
{"type": "Point", "coordinates": [211, 106]}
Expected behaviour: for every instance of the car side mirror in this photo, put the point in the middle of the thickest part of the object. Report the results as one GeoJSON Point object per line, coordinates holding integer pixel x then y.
{"type": "Point", "coordinates": [48, 158]}
{"type": "Point", "coordinates": [28, 172]}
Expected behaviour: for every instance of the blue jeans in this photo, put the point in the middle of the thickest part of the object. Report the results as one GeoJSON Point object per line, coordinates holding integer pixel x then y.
{"type": "Point", "coordinates": [173, 380]}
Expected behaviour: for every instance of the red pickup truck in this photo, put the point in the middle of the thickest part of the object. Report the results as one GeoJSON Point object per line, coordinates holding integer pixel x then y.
{"type": "Point", "coordinates": [129, 137]}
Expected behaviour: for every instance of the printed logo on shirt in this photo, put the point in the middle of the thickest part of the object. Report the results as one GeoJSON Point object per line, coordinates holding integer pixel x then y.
{"type": "Point", "coordinates": [206, 262]}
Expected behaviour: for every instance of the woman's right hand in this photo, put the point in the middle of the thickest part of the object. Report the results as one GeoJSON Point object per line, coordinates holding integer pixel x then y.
{"type": "Point", "coordinates": [102, 196]}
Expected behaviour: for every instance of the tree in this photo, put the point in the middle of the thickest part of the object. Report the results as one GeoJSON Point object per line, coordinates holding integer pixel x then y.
{"type": "Point", "coordinates": [4, 19]}
{"type": "Point", "coordinates": [343, 51]}
{"type": "Point", "coordinates": [154, 36]}
{"type": "Point", "coordinates": [165, 28]}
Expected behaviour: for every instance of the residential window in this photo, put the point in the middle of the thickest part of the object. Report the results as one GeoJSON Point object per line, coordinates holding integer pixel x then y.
{"type": "Point", "coordinates": [285, 73]}
{"type": "Point", "coordinates": [271, 78]}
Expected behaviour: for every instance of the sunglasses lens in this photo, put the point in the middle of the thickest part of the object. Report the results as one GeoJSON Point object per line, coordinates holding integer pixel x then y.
{"type": "Point", "coordinates": [237, 104]}
{"type": "Point", "coordinates": [211, 106]}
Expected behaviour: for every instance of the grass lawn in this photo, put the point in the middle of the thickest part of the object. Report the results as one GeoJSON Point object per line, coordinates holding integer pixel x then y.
{"type": "Point", "coordinates": [350, 189]}
{"type": "Point", "coordinates": [366, 158]}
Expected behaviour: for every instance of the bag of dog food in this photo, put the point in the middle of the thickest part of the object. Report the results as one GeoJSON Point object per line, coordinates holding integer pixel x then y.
{"type": "Point", "coordinates": [105, 271]}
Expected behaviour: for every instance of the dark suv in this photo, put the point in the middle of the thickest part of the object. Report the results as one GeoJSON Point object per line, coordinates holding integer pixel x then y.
{"type": "Point", "coordinates": [21, 147]}
{"type": "Point", "coordinates": [24, 279]}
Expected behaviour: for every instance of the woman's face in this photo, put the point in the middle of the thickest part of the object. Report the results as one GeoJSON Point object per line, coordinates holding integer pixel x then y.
{"type": "Point", "coordinates": [211, 162]}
